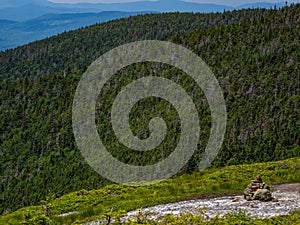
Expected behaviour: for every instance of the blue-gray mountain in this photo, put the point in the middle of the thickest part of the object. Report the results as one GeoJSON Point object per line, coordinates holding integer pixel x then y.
{"type": "Point", "coordinates": [22, 10]}
{"type": "Point", "coordinates": [15, 33]}
{"type": "Point", "coordinates": [24, 21]}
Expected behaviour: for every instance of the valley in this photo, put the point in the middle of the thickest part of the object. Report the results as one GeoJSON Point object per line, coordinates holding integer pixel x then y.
{"type": "Point", "coordinates": [254, 54]}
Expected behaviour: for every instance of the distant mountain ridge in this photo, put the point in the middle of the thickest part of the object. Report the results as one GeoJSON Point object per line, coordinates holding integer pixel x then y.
{"type": "Point", "coordinates": [22, 10]}
{"type": "Point", "coordinates": [18, 3]}
{"type": "Point", "coordinates": [24, 21]}
{"type": "Point", "coordinates": [253, 54]}
{"type": "Point", "coordinates": [14, 33]}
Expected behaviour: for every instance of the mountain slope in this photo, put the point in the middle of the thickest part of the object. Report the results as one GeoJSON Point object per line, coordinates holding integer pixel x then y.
{"type": "Point", "coordinates": [115, 200]}
{"type": "Point", "coordinates": [18, 10]}
{"type": "Point", "coordinates": [28, 12]}
{"type": "Point", "coordinates": [34, 59]}
{"type": "Point", "coordinates": [14, 34]}
{"type": "Point", "coordinates": [255, 61]}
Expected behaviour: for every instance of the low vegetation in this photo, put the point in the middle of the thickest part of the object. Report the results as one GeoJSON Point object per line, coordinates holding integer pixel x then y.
{"type": "Point", "coordinates": [253, 53]}
{"type": "Point", "coordinates": [239, 218]}
{"type": "Point", "coordinates": [113, 201]}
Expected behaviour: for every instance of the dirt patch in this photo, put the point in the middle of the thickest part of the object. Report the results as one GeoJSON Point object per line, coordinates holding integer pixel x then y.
{"type": "Point", "coordinates": [287, 198]}
{"type": "Point", "coordinates": [287, 187]}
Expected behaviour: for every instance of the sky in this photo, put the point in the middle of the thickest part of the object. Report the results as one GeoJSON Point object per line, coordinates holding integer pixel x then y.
{"type": "Point", "coordinates": [220, 2]}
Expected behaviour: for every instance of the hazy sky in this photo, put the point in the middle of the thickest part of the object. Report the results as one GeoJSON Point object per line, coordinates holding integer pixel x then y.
{"type": "Point", "coordinates": [221, 2]}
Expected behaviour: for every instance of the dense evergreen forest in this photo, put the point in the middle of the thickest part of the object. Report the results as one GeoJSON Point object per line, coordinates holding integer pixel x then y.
{"type": "Point", "coordinates": [253, 53]}
{"type": "Point", "coordinates": [77, 49]}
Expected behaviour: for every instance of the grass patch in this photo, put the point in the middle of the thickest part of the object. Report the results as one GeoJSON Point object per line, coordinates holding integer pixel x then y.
{"type": "Point", "coordinates": [113, 200]}
{"type": "Point", "coordinates": [239, 218]}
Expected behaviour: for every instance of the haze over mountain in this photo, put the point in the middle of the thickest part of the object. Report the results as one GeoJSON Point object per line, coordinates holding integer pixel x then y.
{"type": "Point", "coordinates": [28, 9]}
{"type": "Point", "coordinates": [15, 33]}
{"type": "Point", "coordinates": [253, 53]}
{"type": "Point", "coordinates": [24, 21]}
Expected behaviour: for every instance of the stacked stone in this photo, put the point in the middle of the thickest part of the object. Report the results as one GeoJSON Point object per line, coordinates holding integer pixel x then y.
{"type": "Point", "coordinates": [258, 190]}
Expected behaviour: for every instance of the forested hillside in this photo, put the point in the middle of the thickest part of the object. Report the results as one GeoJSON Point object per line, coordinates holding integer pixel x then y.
{"type": "Point", "coordinates": [253, 53]}
{"type": "Point", "coordinates": [77, 49]}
